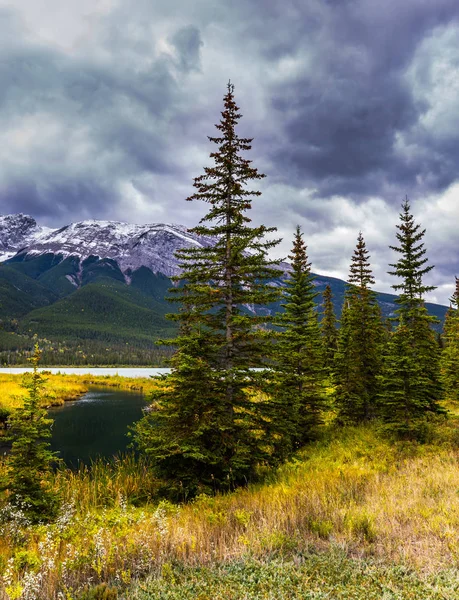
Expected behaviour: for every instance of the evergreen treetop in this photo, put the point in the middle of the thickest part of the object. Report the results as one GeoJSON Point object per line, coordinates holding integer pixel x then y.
{"type": "Point", "coordinates": [410, 381]}
{"type": "Point", "coordinates": [360, 273]}
{"type": "Point", "coordinates": [412, 264]}
{"type": "Point", "coordinates": [455, 297]}
{"type": "Point", "coordinates": [358, 359]}
{"type": "Point", "coordinates": [220, 280]}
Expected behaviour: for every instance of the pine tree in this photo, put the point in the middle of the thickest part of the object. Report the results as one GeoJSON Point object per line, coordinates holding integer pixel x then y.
{"type": "Point", "coordinates": [410, 379]}
{"type": "Point", "coordinates": [449, 363]}
{"type": "Point", "coordinates": [298, 397]}
{"type": "Point", "coordinates": [358, 360]}
{"type": "Point", "coordinates": [329, 329]}
{"type": "Point", "coordinates": [411, 267]}
{"type": "Point", "coordinates": [207, 432]}
{"type": "Point", "coordinates": [30, 461]}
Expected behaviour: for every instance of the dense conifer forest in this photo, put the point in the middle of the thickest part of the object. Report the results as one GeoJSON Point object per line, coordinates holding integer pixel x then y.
{"type": "Point", "coordinates": [218, 420]}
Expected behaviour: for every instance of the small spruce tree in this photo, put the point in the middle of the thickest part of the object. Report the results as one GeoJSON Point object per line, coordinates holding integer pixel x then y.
{"type": "Point", "coordinates": [358, 359]}
{"type": "Point", "coordinates": [298, 397]}
{"type": "Point", "coordinates": [329, 329]}
{"type": "Point", "coordinates": [449, 363]}
{"type": "Point", "coordinates": [411, 372]}
{"type": "Point", "coordinates": [28, 466]}
{"type": "Point", "coordinates": [209, 429]}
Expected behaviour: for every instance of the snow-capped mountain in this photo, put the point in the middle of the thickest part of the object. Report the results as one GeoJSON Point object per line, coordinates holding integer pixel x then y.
{"type": "Point", "coordinates": [131, 246]}
{"type": "Point", "coordinates": [17, 232]}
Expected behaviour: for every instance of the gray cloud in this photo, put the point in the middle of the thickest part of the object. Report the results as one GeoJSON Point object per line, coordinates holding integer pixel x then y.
{"type": "Point", "coordinates": [187, 42]}
{"type": "Point", "coordinates": [347, 107]}
{"type": "Point", "coordinates": [105, 112]}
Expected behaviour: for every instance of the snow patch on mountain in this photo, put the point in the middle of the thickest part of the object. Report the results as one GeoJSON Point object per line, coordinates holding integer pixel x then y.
{"type": "Point", "coordinates": [131, 246]}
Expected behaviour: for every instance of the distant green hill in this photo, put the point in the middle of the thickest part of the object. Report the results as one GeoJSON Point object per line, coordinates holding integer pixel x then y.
{"type": "Point", "coordinates": [20, 294]}
{"type": "Point", "coordinates": [91, 311]}
{"type": "Point", "coordinates": [106, 310]}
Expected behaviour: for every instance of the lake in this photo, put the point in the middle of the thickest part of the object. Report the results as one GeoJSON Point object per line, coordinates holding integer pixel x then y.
{"type": "Point", "coordinates": [95, 426]}
{"type": "Point", "coordinates": [121, 371]}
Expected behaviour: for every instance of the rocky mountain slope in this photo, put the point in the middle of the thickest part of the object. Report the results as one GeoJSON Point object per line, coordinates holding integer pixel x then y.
{"type": "Point", "coordinates": [131, 246]}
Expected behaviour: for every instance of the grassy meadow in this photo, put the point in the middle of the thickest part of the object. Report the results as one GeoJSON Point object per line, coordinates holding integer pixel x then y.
{"type": "Point", "coordinates": [354, 515]}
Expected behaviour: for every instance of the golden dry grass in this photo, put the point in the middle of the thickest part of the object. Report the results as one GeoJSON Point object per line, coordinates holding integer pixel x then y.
{"type": "Point", "coordinates": [61, 388]}
{"type": "Point", "coordinates": [354, 490]}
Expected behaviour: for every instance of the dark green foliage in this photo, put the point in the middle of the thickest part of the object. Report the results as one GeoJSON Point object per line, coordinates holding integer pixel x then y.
{"type": "Point", "coordinates": [20, 294]}
{"type": "Point", "coordinates": [29, 463]}
{"type": "Point", "coordinates": [151, 284]}
{"type": "Point", "coordinates": [410, 380]}
{"type": "Point", "coordinates": [35, 267]}
{"type": "Point", "coordinates": [449, 363]}
{"type": "Point", "coordinates": [5, 414]}
{"type": "Point", "coordinates": [208, 431]}
{"type": "Point", "coordinates": [63, 278]}
{"type": "Point", "coordinates": [329, 329]}
{"type": "Point", "coordinates": [409, 390]}
{"type": "Point", "coordinates": [358, 360]}
{"type": "Point", "coordinates": [189, 434]}
{"type": "Point", "coordinates": [102, 269]}
{"type": "Point", "coordinates": [298, 395]}
{"type": "Point", "coordinates": [107, 311]}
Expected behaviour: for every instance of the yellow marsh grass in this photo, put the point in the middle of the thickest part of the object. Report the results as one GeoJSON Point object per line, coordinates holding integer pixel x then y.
{"type": "Point", "coordinates": [60, 388]}
{"type": "Point", "coordinates": [358, 491]}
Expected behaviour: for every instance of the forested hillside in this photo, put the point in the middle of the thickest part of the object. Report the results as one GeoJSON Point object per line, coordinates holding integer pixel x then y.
{"type": "Point", "coordinates": [104, 317]}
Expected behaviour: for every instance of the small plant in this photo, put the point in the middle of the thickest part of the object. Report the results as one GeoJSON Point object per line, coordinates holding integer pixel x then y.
{"type": "Point", "coordinates": [321, 528]}
{"type": "Point", "coordinates": [362, 525]}
{"type": "Point", "coordinates": [99, 592]}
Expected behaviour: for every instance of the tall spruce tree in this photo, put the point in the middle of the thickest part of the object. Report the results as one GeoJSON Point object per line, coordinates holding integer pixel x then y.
{"type": "Point", "coordinates": [28, 466]}
{"type": "Point", "coordinates": [207, 432]}
{"type": "Point", "coordinates": [298, 397]}
{"type": "Point", "coordinates": [358, 359]}
{"type": "Point", "coordinates": [329, 329]}
{"type": "Point", "coordinates": [410, 381]}
{"type": "Point", "coordinates": [449, 362]}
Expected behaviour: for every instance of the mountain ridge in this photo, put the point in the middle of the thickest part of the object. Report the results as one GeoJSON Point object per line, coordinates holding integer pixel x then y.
{"type": "Point", "coordinates": [62, 284]}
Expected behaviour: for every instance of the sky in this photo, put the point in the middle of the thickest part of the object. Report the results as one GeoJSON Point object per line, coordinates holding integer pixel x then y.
{"type": "Point", "coordinates": [106, 105]}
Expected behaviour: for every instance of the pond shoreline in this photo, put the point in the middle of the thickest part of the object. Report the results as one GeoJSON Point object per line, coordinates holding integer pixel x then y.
{"type": "Point", "coordinates": [60, 388]}
{"type": "Point", "coordinates": [128, 372]}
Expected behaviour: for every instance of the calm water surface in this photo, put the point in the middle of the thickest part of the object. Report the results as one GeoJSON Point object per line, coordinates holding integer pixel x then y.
{"type": "Point", "coordinates": [95, 426]}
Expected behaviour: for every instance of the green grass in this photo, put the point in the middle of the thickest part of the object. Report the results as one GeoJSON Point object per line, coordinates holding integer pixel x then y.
{"type": "Point", "coordinates": [310, 576]}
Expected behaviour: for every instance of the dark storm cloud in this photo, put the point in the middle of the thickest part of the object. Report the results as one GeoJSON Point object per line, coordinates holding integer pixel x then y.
{"type": "Point", "coordinates": [342, 111]}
